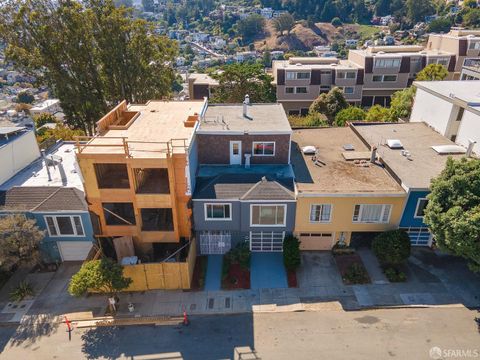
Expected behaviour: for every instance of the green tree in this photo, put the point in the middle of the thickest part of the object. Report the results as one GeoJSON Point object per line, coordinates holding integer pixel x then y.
{"type": "Point", "coordinates": [417, 10]}
{"type": "Point", "coordinates": [238, 80]}
{"type": "Point", "coordinates": [90, 53]}
{"type": "Point", "coordinates": [251, 26]}
{"type": "Point", "coordinates": [148, 5]}
{"type": "Point", "coordinates": [453, 210]}
{"type": "Point", "coordinates": [352, 113]}
{"type": "Point", "coordinates": [432, 72]}
{"type": "Point", "coordinates": [267, 58]}
{"type": "Point", "coordinates": [20, 238]}
{"type": "Point", "coordinates": [378, 113]}
{"type": "Point", "coordinates": [440, 24]}
{"type": "Point", "coordinates": [382, 7]}
{"type": "Point", "coordinates": [402, 103]}
{"type": "Point", "coordinates": [336, 22]}
{"type": "Point", "coordinates": [329, 11]}
{"type": "Point", "coordinates": [59, 132]}
{"type": "Point", "coordinates": [392, 247]}
{"type": "Point", "coordinates": [291, 253]}
{"type": "Point", "coordinates": [329, 104]}
{"type": "Point", "coordinates": [25, 97]}
{"type": "Point", "coordinates": [44, 118]}
{"type": "Point", "coordinates": [471, 19]}
{"type": "Point", "coordinates": [284, 22]}
{"type": "Point", "coordinates": [472, 4]}
{"type": "Point", "coordinates": [103, 276]}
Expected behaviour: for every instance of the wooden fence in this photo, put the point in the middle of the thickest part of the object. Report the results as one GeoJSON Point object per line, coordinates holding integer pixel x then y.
{"type": "Point", "coordinates": [164, 275]}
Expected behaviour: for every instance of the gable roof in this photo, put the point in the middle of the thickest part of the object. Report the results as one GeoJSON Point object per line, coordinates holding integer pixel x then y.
{"type": "Point", "coordinates": [43, 198]}
{"type": "Point", "coordinates": [244, 187]}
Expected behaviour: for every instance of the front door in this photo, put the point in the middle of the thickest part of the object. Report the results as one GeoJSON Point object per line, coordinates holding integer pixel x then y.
{"type": "Point", "coordinates": [235, 152]}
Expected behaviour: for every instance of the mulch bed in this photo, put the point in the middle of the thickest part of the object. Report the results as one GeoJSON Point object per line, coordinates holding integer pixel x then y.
{"type": "Point", "coordinates": [292, 278]}
{"type": "Point", "coordinates": [199, 272]}
{"type": "Point", "coordinates": [236, 278]}
{"type": "Point", "coordinates": [344, 262]}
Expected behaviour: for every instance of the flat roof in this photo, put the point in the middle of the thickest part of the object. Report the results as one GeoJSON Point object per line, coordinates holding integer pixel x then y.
{"type": "Point", "coordinates": [423, 164]}
{"type": "Point", "coordinates": [64, 170]}
{"type": "Point", "coordinates": [399, 51]}
{"type": "Point", "coordinates": [334, 64]}
{"type": "Point", "coordinates": [467, 91]}
{"type": "Point", "coordinates": [332, 173]}
{"type": "Point", "coordinates": [11, 133]}
{"type": "Point", "coordinates": [261, 119]}
{"type": "Point", "coordinates": [203, 79]}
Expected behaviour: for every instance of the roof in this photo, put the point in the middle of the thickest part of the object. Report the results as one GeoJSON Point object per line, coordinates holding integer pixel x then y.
{"type": "Point", "coordinates": [467, 91]}
{"type": "Point", "coordinates": [315, 63]}
{"type": "Point", "coordinates": [44, 105]}
{"type": "Point", "coordinates": [399, 51]}
{"type": "Point", "coordinates": [244, 187]}
{"type": "Point", "coordinates": [423, 164]}
{"type": "Point", "coordinates": [7, 130]}
{"type": "Point", "coordinates": [202, 79]}
{"type": "Point", "coordinates": [262, 119]}
{"type": "Point", "coordinates": [63, 170]}
{"type": "Point", "coordinates": [43, 199]}
{"type": "Point", "coordinates": [332, 174]}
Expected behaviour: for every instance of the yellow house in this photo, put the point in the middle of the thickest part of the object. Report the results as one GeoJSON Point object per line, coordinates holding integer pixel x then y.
{"type": "Point", "coordinates": [340, 191]}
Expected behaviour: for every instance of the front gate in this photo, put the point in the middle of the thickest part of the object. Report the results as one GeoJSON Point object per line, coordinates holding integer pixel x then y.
{"type": "Point", "coordinates": [215, 244]}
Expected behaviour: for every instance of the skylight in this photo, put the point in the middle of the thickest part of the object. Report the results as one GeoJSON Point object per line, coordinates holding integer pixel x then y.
{"type": "Point", "coordinates": [394, 144]}
{"type": "Point", "coordinates": [449, 149]}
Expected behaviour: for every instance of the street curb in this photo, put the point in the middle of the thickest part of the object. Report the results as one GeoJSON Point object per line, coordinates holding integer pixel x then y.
{"type": "Point", "coordinates": [414, 306]}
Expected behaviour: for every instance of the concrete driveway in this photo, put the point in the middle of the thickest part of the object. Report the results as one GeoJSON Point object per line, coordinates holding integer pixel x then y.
{"type": "Point", "coordinates": [318, 269]}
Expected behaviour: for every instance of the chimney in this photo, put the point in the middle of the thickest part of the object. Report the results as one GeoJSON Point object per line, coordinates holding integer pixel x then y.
{"type": "Point", "coordinates": [471, 144]}
{"type": "Point", "coordinates": [373, 155]}
{"type": "Point", "coordinates": [246, 102]}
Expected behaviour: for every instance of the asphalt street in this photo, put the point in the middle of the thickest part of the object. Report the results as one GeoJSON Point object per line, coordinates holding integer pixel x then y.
{"type": "Point", "coordinates": [373, 334]}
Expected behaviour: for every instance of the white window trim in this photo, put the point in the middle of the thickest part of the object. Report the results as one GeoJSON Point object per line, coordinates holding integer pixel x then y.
{"type": "Point", "coordinates": [350, 87]}
{"type": "Point", "coordinates": [295, 90]}
{"type": "Point", "coordinates": [265, 225]}
{"type": "Point", "coordinates": [295, 77]}
{"type": "Point", "coordinates": [416, 208]}
{"type": "Point", "coordinates": [320, 221]}
{"type": "Point", "coordinates": [372, 222]}
{"type": "Point", "coordinates": [54, 217]}
{"type": "Point", "coordinates": [375, 66]}
{"type": "Point", "coordinates": [383, 78]}
{"type": "Point", "coordinates": [217, 219]}
{"type": "Point", "coordinates": [263, 142]}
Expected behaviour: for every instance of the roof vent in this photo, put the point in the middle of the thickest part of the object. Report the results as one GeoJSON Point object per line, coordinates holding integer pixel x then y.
{"type": "Point", "coordinates": [394, 144]}
{"type": "Point", "coordinates": [348, 147]}
{"type": "Point", "coordinates": [309, 150]}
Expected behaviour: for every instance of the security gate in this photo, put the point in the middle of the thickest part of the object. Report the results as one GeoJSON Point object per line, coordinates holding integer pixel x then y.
{"type": "Point", "coordinates": [419, 236]}
{"type": "Point", "coordinates": [211, 244]}
{"type": "Point", "coordinates": [264, 241]}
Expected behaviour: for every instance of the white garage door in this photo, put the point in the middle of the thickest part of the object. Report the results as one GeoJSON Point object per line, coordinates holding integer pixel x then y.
{"type": "Point", "coordinates": [266, 241]}
{"type": "Point", "coordinates": [74, 250]}
{"type": "Point", "coordinates": [316, 241]}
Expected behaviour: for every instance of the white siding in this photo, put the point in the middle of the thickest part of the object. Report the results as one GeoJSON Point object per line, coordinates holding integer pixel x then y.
{"type": "Point", "coordinates": [469, 129]}
{"type": "Point", "coordinates": [432, 110]}
{"type": "Point", "coordinates": [17, 154]}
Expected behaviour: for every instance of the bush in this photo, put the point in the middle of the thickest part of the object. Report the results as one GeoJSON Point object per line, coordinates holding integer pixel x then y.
{"type": "Point", "coordinates": [352, 113]}
{"type": "Point", "coordinates": [25, 97]}
{"type": "Point", "coordinates": [394, 275]}
{"type": "Point", "coordinates": [336, 22]}
{"type": "Point", "coordinates": [238, 255]}
{"type": "Point", "coordinates": [356, 274]}
{"type": "Point", "coordinates": [291, 252]}
{"type": "Point", "coordinates": [23, 290]}
{"type": "Point", "coordinates": [391, 247]}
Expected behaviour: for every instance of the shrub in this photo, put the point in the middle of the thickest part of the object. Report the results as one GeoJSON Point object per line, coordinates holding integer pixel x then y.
{"type": "Point", "coordinates": [336, 22]}
{"type": "Point", "coordinates": [356, 274]}
{"type": "Point", "coordinates": [291, 252]}
{"type": "Point", "coordinates": [23, 290]}
{"type": "Point", "coordinates": [238, 255]}
{"type": "Point", "coordinates": [339, 249]}
{"type": "Point", "coordinates": [391, 247]}
{"type": "Point", "coordinates": [394, 275]}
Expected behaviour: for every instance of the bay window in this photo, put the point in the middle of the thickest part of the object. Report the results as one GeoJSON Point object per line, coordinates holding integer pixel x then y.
{"type": "Point", "coordinates": [64, 225]}
{"type": "Point", "coordinates": [268, 215]}
{"type": "Point", "coordinates": [218, 212]}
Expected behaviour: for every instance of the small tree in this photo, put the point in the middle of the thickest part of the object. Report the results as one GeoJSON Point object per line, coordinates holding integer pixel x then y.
{"type": "Point", "coordinates": [378, 113]}
{"type": "Point", "coordinates": [251, 26]}
{"type": "Point", "coordinates": [267, 58]}
{"type": "Point", "coordinates": [44, 118]}
{"type": "Point", "coordinates": [291, 253]}
{"type": "Point", "coordinates": [402, 103]}
{"type": "Point", "coordinates": [20, 241]}
{"type": "Point", "coordinates": [25, 97]}
{"type": "Point", "coordinates": [103, 276]}
{"type": "Point", "coordinates": [329, 104]}
{"type": "Point", "coordinates": [336, 22]}
{"type": "Point", "coordinates": [352, 113]}
{"type": "Point", "coordinates": [432, 72]}
{"type": "Point", "coordinates": [391, 247]}
{"type": "Point", "coordinates": [285, 22]}
{"type": "Point", "coordinates": [453, 210]}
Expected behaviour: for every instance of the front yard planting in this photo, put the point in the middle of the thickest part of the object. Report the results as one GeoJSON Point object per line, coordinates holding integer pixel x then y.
{"type": "Point", "coordinates": [350, 266]}
{"type": "Point", "coordinates": [236, 268]}
{"type": "Point", "coordinates": [291, 259]}
{"type": "Point", "coordinates": [199, 273]}
{"type": "Point", "coordinates": [392, 249]}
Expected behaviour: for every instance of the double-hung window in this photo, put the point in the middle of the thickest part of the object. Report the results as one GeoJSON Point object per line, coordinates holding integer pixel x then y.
{"type": "Point", "coordinates": [218, 212]}
{"type": "Point", "coordinates": [265, 148]}
{"type": "Point", "coordinates": [268, 215]}
{"type": "Point", "coordinates": [387, 63]}
{"type": "Point", "coordinates": [421, 205]}
{"type": "Point", "coordinates": [372, 213]}
{"type": "Point", "coordinates": [320, 213]}
{"type": "Point", "coordinates": [64, 225]}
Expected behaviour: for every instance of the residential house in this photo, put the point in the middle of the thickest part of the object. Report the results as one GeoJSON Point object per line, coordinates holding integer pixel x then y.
{"type": "Point", "coordinates": [450, 107]}
{"type": "Point", "coordinates": [50, 106]}
{"type": "Point", "coordinates": [50, 191]}
{"type": "Point", "coordinates": [244, 190]}
{"type": "Point", "coordinates": [470, 70]}
{"type": "Point", "coordinates": [200, 86]}
{"type": "Point", "coordinates": [413, 154]}
{"type": "Point", "coordinates": [343, 192]}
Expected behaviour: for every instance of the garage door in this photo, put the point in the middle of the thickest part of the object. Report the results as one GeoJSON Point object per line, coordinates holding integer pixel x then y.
{"type": "Point", "coordinates": [74, 250]}
{"type": "Point", "coordinates": [266, 241]}
{"type": "Point", "coordinates": [316, 241]}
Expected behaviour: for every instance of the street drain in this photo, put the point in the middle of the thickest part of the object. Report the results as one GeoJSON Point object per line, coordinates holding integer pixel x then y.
{"type": "Point", "coordinates": [210, 303]}
{"type": "Point", "coordinates": [227, 303]}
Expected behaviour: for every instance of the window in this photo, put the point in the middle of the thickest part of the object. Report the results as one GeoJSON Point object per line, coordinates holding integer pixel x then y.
{"type": "Point", "coordinates": [112, 176]}
{"type": "Point", "coordinates": [303, 75]}
{"type": "Point", "coordinates": [441, 61]}
{"type": "Point", "coordinates": [324, 89]}
{"type": "Point", "coordinates": [320, 213]}
{"type": "Point", "coordinates": [348, 90]}
{"type": "Point", "coordinates": [267, 215]}
{"type": "Point", "coordinates": [118, 213]}
{"type": "Point", "coordinates": [64, 225]}
{"type": "Point", "coordinates": [304, 111]}
{"type": "Point", "coordinates": [460, 114]}
{"type": "Point", "coordinates": [377, 78]}
{"type": "Point", "coordinates": [340, 75]}
{"type": "Point", "coordinates": [474, 45]}
{"type": "Point", "coordinates": [293, 112]}
{"type": "Point", "coordinates": [292, 75]}
{"type": "Point", "coordinates": [301, 90]}
{"type": "Point", "coordinates": [289, 90]}
{"type": "Point", "coordinates": [264, 148]}
{"type": "Point", "coordinates": [159, 219]}
{"type": "Point", "coordinates": [382, 78]}
{"type": "Point", "coordinates": [369, 213]}
{"type": "Point", "coordinates": [421, 205]}
{"type": "Point", "coordinates": [218, 212]}
{"type": "Point", "coordinates": [387, 63]}
{"type": "Point", "coordinates": [351, 75]}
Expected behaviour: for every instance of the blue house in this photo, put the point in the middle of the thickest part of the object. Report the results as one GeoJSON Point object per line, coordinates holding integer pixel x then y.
{"type": "Point", "coordinates": [413, 154]}
{"type": "Point", "coordinates": [50, 190]}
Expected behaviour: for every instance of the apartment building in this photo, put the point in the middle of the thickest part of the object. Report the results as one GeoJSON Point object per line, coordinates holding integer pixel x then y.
{"type": "Point", "coordinates": [136, 174]}
{"type": "Point", "coordinates": [200, 86]}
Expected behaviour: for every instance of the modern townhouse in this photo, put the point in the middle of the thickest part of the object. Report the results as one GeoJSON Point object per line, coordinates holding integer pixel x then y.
{"type": "Point", "coordinates": [244, 190]}
{"type": "Point", "coordinates": [136, 174]}
{"type": "Point", "coordinates": [413, 154]}
{"type": "Point", "coordinates": [452, 108]}
{"type": "Point", "coordinates": [343, 192]}
{"type": "Point", "coordinates": [50, 191]}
